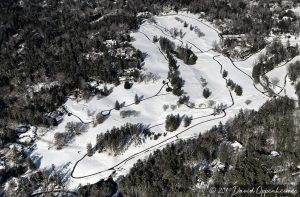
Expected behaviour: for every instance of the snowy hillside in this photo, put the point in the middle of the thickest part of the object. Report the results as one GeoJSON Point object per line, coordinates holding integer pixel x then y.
{"type": "Point", "coordinates": [82, 169]}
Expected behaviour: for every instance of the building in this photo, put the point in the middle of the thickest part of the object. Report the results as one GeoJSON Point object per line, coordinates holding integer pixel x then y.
{"type": "Point", "coordinates": [22, 129]}
{"type": "Point", "coordinates": [54, 118]}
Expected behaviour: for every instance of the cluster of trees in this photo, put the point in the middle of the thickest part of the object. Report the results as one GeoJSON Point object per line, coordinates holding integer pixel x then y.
{"type": "Point", "coordinates": [119, 139]}
{"type": "Point", "coordinates": [37, 180]}
{"type": "Point", "coordinates": [238, 90]}
{"type": "Point", "coordinates": [103, 188]}
{"type": "Point", "coordinates": [294, 71]}
{"type": "Point", "coordinates": [172, 122]}
{"type": "Point", "coordinates": [183, 100]}
{"type": "Point", "coordinates": [71, 130]}
{"type": "Point", "coordinates": [174, 76]}
{"type": "Point", "coordinates": [186, 54]}
{"type": "Point", "coordinates": [183, 53]}
{"type": "Point", "coordinates": [166, 45]}
{"type": "Point", "coordinates": [276, 53]}
{"type": "Point", "coordinates": [233, 86]}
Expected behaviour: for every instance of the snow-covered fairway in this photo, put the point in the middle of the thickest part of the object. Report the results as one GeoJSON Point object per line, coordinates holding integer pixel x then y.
{"type": "Point", "coordinates": [209, 66]}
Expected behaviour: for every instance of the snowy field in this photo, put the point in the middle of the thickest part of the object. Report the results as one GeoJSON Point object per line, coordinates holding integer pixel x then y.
{"type": "Point", "coordinates": [101, 165]}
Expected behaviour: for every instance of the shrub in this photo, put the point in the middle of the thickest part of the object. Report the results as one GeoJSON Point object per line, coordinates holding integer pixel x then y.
{"type": "Point", "coordinates": [117, 105]}
{"type": "Point", "coordinates": [183, 100]}
{"type": "Point", "coordinates": [173, 107]}
{"type": "Point", "coordinates": [127, 85]}
{"type": "Point", "coordinates": [166, 45]}
{"type": "Point", "coordinates": [105, 91]}
{"type": "Point", "coordinates": [165, 107]}
{"type": "Point", "coordinates": [238, 90]}
{"type": "Point", "coordinates": [187, 121]}
{"type": "Point", "coordinates": [59, 140]}
{"type": "Point", "coordinates": [100, 118]}
{"type": "Point", "coordinates": [248, 102]}
{"type": "Point", "coordinates": [155, 39]}
{"type": "Point", "coordinates": [206, 92]}
{"type": "Point", "coordinates": [128, 113]}
{"type": "Point", "coordinates": [76, 128]}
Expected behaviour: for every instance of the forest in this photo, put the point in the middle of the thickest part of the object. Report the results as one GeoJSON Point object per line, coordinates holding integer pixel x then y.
{"type": "Point", "coordinates": [62, 45]}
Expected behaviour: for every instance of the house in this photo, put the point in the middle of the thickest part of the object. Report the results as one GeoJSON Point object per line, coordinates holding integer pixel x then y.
{"type": "Point", "coordinates": [54, 118]}
{"type": "Point", "coordinates": [144, 14]}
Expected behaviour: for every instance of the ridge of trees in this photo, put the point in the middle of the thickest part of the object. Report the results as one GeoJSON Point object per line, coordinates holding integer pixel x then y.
{"type": "Point", "coordinates": [119, 139]}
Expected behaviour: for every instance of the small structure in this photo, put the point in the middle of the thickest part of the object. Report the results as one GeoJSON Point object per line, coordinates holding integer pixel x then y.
{"type": "Point", "coordinates": [54, 118]}
{"type": "Point", "coordinates": [144, 14]}
{"type": "Point", "coordinates": [274, 154]}
{"type": "Point", "coordinates": [22, 129]}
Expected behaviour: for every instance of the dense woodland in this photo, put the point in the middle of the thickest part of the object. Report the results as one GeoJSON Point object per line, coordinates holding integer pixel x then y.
{"type": "Point", "coordinates": [62, 45]}
{"type": "Point", "coordinates": [178, 169]}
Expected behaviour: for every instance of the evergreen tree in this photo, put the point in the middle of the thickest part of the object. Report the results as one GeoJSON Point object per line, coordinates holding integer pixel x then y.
{"type": "Point", "coordinates": [117, 105]}
{"type": "Point", "coordinates": [105, 91]}
{"type": "Point", "coordinates": [225, 73]}
{"type": "Point", "coordinates": [187, 121]}
{"type": "Point", "coordinates": [206, 93]}
{"type": "Point", "coordinates": [136, 99]}
{"type": "Point", "coordinates": [127, 85]}
{"type": "Point", "coordinates": [89, 149]}
{"type": "Point", "coordinates": [185, 24]}
{"type": "Point", "coordinates": [100, 118]}
{"type": "Point", "coordinates": [238, 90]}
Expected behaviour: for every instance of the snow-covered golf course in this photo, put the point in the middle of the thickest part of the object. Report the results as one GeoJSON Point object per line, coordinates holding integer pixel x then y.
{"type": "Point", "coordinates": [82, 169]}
